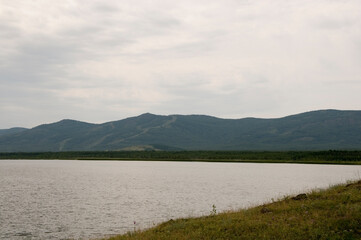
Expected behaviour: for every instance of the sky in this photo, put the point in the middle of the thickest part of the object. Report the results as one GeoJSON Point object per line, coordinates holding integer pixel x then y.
{"type": "Point", "coordinates": [100, 61]}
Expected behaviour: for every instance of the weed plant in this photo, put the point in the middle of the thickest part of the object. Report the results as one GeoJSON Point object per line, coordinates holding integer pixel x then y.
{"type": "Point", "coordinates": [331, 214]}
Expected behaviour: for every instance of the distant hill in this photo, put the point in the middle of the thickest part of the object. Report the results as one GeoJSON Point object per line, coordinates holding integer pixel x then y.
{"type": "Point", "coordinates": [11, 130]}
{"type": "Point", "coordinates": [317, 130]}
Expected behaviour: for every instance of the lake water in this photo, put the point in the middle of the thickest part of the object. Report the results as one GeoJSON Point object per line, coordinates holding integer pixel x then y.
{"type": "Point", "coordinates": [63, 199]}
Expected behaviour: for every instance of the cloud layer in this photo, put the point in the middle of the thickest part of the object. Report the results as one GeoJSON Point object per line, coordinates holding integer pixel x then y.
{"type": "Point", "coordinates": [99, 61]}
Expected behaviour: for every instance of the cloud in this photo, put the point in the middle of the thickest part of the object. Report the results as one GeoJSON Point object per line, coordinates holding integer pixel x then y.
{"type": "Point", "coordinates": [232, 58]}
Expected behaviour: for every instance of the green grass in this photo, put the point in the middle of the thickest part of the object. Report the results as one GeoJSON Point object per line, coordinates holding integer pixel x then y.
{"type": "Point", "coordinates": [329, 214]}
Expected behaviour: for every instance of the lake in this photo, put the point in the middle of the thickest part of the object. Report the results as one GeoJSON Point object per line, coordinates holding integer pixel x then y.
{"type": "Point", "coordinates": [64, 199]}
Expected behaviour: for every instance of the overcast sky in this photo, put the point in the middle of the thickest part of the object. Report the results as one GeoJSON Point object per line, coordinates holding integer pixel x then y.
{"type": "Point", "coordinates": [99, 61]}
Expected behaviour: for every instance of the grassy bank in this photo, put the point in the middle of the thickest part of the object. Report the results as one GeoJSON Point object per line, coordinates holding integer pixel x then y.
{"type": "Point", "coordinates": [322, 157]}
{"type": "Point", "coordinates": [334, 213]}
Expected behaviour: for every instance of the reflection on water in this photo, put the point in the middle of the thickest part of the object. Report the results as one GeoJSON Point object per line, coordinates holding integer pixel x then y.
{"type": "Point", "coordinates": [62, 199]}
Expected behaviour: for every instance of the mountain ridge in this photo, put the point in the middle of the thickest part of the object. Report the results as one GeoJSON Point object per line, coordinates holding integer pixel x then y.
{"type": "Point", "coordinates": [12, 130]}
{"type": "Point", "coordinates": [315, 130]}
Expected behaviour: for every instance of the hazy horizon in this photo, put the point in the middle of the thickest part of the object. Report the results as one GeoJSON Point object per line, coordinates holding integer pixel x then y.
{"type": "Point", "coordinates": [79, 120]}
{"type": "Point", "coordinates": [100, 61]}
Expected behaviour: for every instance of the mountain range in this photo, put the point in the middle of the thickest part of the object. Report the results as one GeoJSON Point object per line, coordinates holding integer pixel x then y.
{"type": "Point", "coordinates": [316, 130]}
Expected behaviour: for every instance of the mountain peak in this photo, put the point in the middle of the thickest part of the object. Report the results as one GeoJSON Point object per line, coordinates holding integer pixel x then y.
{"type": "Point", "coordinates": [147, 114]}
{"type": "Point", "coordinates": [67, 120]}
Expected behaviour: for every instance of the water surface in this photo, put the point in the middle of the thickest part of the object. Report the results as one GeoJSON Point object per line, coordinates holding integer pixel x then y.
{"type": "Point", "coordinates": [62, 199]}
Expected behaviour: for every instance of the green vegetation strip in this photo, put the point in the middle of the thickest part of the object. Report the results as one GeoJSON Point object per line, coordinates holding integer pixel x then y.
{"type": "Point", "coordinates": [330, 214]}
{"type": "Point", "coordinates": [322, 157]}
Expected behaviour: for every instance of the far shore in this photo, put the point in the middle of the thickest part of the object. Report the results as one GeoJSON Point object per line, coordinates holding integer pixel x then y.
{"type": "Point", "coordinates": [226, 161]}
{"type": "Point", "coordinates": [299, 157]}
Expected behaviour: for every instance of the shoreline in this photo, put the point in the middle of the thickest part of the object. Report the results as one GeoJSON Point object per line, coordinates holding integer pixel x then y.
{"type": "Point", "coordinates": [225, 161]}
{"type": "Point", "coordinates": [350, 157]}
{"type": "Point", "coordinates": [332, 213]}
{"type": "Point", "coordinates": [322, 162]}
